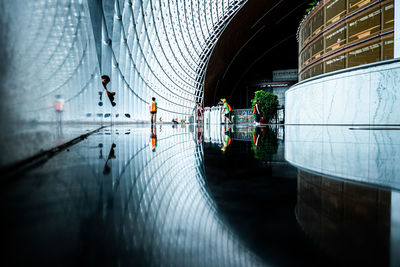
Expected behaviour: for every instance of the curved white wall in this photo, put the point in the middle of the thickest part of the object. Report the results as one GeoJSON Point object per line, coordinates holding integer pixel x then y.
{"type": "Point", "coordinates": [150, 48]}
{"type": "Point", "coordinates": [369, 94]}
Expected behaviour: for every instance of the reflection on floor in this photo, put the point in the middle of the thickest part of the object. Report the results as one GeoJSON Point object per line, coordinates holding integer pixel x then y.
{"type": "Point", "coordinates": [188, 196]}
{"type": "Point", "coordinates": [123, 197]}
{"type": "Point", "coordinates": [349, 222]}
{"type": "Point", "coordinates": [275, 208]}
{"type": "Point", "coordinates": [369, 155]}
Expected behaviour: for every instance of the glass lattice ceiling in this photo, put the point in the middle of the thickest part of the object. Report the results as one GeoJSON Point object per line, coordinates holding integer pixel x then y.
{"type": "Point", "coordinates": [149, 48]}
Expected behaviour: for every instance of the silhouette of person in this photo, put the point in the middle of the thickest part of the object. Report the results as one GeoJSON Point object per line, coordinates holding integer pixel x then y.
{"type": "Point", "coordinates": [105, 80]}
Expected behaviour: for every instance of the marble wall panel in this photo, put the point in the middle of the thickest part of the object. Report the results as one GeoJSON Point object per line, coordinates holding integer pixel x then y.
{"type": "Point", "coordinates": [385, 96]}
{"type": "Point", "coordinates": [346, 100]}
{"type": "Point", "coordinates": [308, 103]}
{"type": "Point", "coordinates": [366, 96]}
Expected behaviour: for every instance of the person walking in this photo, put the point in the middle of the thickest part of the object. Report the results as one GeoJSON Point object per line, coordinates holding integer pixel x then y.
{"type": "Point", "coordinates": [59, 108]}
{"type": "Point", "coordinates": [153, 110]}
{"type": "Point", "coordinates": [226, 109]}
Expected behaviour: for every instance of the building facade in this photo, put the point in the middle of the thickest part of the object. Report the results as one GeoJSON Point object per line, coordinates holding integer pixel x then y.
{"type": "Point", "coordinates": [349, 66]}
{"type": "Point", "coordinates": [340, 34]}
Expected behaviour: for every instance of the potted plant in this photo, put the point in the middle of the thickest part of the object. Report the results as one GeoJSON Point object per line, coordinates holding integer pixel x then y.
{"type": "Point", "coordinates": [268, 105]}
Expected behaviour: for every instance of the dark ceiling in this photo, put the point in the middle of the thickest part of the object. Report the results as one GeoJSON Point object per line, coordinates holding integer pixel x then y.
{"type": "Point", "coordinates": [260, 38]}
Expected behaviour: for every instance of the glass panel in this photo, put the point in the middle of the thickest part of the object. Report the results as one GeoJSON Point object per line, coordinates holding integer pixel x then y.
{"type": "Point", "coordinates": [317, 48]}
{"type": "Point", "coordinates": [365, 54]}
{"type": "Point", "coordinates": [387, 48]}
{"type": "Point", "coordinates": [335, 10]}
{"type": "Point", "coordinates": [355, 5]}
{"type": "Point", "coordinates": [317, 69]}
{"type": "Point", "coordinates": [365, 25]}
{"type": "Point", "coordinates": [335, 38]}
{"type": "Point", "coordinates": [318, 22]}
{"type": "Point", "coordinates": [335, 63]}
{"type": "Point", "coordinates": [306, 31]}
{"type": "Point", "coordinates": [388, 16]}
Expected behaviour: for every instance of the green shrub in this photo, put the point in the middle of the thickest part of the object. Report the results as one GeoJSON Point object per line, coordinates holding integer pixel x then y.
{"type": "Point", "coordinates": [268, 104]}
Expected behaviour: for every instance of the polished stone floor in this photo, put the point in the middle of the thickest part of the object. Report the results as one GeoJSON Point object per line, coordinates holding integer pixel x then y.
{"type": "Point", "coordinates": [218, 196]}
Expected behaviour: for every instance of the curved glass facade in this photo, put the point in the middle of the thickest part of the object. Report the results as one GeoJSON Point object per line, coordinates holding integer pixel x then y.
{"type": "Point", "coordinates": [338, 34]}
{"type": "Point", "coordinates": [149, 48]}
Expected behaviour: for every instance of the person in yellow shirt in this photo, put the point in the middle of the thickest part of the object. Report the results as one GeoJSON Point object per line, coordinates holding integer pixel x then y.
{"type": "Point", "coordinates": [226, 110]}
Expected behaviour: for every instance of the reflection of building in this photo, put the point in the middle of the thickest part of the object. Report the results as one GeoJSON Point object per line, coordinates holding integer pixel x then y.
{"type": "Point", "coordinates": [345, 33]}
{"type": "Point", "coordinates": [334, 215]}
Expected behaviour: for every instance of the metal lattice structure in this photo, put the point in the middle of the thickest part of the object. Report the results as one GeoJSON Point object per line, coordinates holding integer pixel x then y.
{"type": "Point", "coordinates": [149, 48]}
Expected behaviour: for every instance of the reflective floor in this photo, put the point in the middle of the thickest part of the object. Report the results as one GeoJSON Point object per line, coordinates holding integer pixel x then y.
{"type": "Point", "coordinates": [188, 196]}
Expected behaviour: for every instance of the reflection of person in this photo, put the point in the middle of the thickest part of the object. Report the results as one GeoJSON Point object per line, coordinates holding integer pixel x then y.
{"type": "Point", "coordinates": [256, 112]}
{"type": "Point", "coordinates": [105, 80]}
{"type": "Point", "coordinates": [183, 122]}
{"type": "Point", "coordinates": [111, 155]}
{"type": "Point", "coordinates": [227, 139]}
{"type": "Point", "coordinates": [153, 138]}
{"type": "Point", "coordinates": [256, 136]}
{"type": "Point", "coordinates": [153, 110]}
{"type": "Point", "coordinates": [199, 135]}
{"type": "Point", "coordinates": [100, 99]}
{"type": "Point", "coordinates": [175, 121]}
{"type": "Point", "coordinates": [199, 113]}
{"type": "Point", "coordinates": [265, 142]}
{"type": "Point", "coordinates": [59, 108]}
{"type": "Point", "coordinates": [226, 110]}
